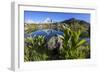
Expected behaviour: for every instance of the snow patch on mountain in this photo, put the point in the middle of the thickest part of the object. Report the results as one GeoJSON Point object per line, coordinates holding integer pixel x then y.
{"type": "Point", "coordinates": [48, 20]}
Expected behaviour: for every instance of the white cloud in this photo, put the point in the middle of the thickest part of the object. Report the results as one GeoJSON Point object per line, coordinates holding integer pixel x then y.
{"type": "Point", "coordinates": [29, 21]}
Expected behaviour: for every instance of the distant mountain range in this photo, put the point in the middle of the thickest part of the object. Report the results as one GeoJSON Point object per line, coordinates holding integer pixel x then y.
{"type": "Point", "coordinates": [73, 20]}
{"type": "Point", "coordinates": [77, 24]}
{"type": "Point", "coordinates": [69, 22]}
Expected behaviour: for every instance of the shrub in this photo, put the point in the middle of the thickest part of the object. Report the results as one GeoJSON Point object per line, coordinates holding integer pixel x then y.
{"type": "Point", "coordinates": [73, 45]}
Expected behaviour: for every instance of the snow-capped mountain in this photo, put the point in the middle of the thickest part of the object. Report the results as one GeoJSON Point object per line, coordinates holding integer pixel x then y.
{"type": "Point", "coordinates": [48, 20]}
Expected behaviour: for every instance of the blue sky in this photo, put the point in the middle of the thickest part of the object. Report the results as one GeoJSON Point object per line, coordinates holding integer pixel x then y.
{"type": "Point", "coordinates": [38, 17]}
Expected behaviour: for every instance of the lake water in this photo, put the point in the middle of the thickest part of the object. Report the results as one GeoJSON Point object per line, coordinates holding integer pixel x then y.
{"type": "Point", "coordinates": [48, 33]}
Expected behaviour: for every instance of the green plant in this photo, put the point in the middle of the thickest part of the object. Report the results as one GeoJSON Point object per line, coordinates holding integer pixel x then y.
{"type": "Point", "coordinates": [72, 44]}
{"type": "Point", "coordinates": [34, 49]}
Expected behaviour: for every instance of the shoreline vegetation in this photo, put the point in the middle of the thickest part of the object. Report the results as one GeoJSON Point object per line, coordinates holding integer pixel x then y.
{"type": "Point", "coordinates": [68, 39]}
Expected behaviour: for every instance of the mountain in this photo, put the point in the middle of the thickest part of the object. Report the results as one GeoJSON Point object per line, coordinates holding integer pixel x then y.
{"type": "Point", "coordinates": [48, 20]}
{"type": "Point", "coordinates": [73, 20]}
{"type": "Point", "coordinates": [76, 24]}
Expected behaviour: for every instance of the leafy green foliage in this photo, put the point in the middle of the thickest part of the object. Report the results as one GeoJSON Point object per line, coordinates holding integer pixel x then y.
{"type": "Point", "coordinates": [73, 45]}
{"type": "Point", "coordinates": [35, 50]}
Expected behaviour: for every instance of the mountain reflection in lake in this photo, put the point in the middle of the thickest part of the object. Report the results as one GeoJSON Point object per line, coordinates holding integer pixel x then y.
{"type": "Point", "coordinates": [47, 33]}
{"type": "Point", "coordinates": [51, 36]}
